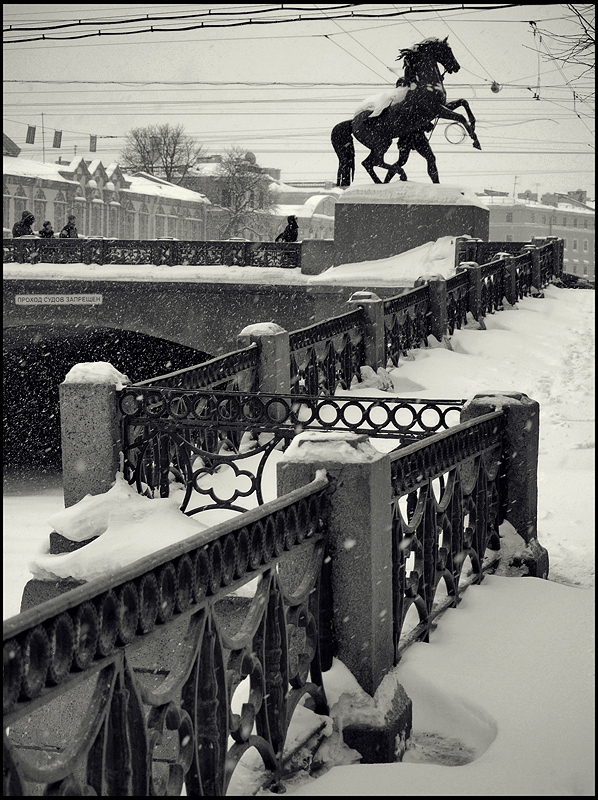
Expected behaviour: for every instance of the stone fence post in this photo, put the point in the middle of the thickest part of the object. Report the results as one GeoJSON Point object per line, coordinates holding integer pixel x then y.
{"type": "Point", "coordinates": [536, 268]}
{"type": "Point", "coordinates": [510, 276]}
{"type": "Point", "coordinates": [438, 305]}
{"type": "Point", "coordinates": [475, 288]}
{"type": "Point", "coordinates": [520, 465]}
{"type": "Point", "coordinates": [557, 261]}
{"type": "Point", "coordinates": [90, 438]}
{"type": "Point", "coordinates": [360, 544]}
{"type": "Point", "coordinates": [274, 373]}
{"type": "Point", "coordinates": [375, 335]}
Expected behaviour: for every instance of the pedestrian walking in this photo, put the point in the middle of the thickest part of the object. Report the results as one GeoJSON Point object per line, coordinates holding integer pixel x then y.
{"type": "Point", "coordinates": [70, 230]}
{"type": "Point", "coordinates": [23, 228]}
{"type": "Point", "coordinates": [46, 231]}
{"type": "Point", "coordinates": [291, 232]}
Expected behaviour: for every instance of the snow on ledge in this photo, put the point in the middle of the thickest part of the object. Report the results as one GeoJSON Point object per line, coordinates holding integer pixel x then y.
{"type": "Point", "coordinates": [337, 446]}
{"type": "Point", "coordinates": [410, 193]}
{"type": "Point", "coordinates": [96, 372]}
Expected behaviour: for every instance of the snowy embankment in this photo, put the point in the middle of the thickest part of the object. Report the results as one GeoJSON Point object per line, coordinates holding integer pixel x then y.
{"type": "Point", "coordinates": [505, 686]}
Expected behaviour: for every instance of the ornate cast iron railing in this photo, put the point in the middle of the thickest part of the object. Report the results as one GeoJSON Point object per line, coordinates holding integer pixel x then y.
{"type": "Point", "coordinates": [125, 686]}
{"type": "Point", "coordinates": [457, 301]}
{"type": "Point", "coordinates": [446, 513]}
{"type": "Point", "coordinates": [152, 252]}
{"type": "Point", "coordinates": [328, 355]}
{"type": "Point", "coordinates": [406, 322]}
{"type": "Point", "coordinates": [493, 286]}
{"type": "Point", "coordinates": [233, 371]}
{"type": "Point", "coordinates": [219, 446]}
{"type": "Point", "coordinates": [522, 265]}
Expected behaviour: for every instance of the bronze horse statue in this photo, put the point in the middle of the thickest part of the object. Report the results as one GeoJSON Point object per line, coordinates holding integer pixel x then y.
{"type": "Point", "coordinates": [404, 114]}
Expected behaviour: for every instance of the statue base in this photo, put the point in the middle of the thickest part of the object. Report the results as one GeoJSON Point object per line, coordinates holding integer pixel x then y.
{"type": "Point", "coordinates": [375, 221]}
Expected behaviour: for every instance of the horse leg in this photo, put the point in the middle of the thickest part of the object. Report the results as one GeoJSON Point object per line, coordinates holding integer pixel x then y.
{"type": "Point", "coordinates": [397, 168]}
{"type": "Point", "coordinates": [472, 120]}
{"type": "Point", "coordinates": [446, 113]}
{"type": "Point", "coordinates": [368, 164]}
{"type": "Point", "coordinates": [423, 148]}
{"type": "Point", "coordinates": [376, 159]}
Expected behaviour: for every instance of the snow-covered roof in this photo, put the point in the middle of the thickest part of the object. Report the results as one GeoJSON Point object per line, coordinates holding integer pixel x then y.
{"type": "Point", "coordinates": [409, 193]}
{"type": "Point", "coordinates": [304, 211]}
{"type": "Point", "coordinates": [143, 183]}
{"type": "Point", "coordinates": [563, 204]}
{"type": "Point", "coordinates": [24, 167]}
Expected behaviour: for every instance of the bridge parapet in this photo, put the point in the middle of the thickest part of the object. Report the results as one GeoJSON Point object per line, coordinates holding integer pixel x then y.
{"type": "Point", "coordinates": [286, 255]}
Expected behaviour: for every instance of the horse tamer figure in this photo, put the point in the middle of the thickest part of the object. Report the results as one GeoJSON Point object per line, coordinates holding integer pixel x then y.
{"type": "Point", "coordinates": [404, 113]}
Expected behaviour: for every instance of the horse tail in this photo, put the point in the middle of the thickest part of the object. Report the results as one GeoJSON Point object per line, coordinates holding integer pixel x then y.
{"type": "Point", "coordinates": [341, 138]}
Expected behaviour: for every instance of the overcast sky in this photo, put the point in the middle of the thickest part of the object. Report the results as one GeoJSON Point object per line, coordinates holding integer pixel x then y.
{"type": "Point", "coordinates": [277, 88]}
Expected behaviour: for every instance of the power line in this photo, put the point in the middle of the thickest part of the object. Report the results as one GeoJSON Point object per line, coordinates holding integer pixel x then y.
{"type": "Point", "coordinates": [244, 22]}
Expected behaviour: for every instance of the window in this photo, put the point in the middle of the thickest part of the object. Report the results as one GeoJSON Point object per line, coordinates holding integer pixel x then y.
{"type": "Point", "coordinates": [575, 222]}
{"type": "Point", "coordinates": [574, 268]}
{"type": "Point", "coordinates": [59, 212]}
{"type": "Point", "coordinates": [6, 220]}
{"type": "Point", "coordinates": [564, 221]}
{"type": "Point", "coordinates": [510, 217]}
{"type": "Point", "coordinates": [585, 245]}
{"type": "Point", "coordinates": [143, 222]}
{"type": "Point", "coordinates": [533, 217]}
{"type": "Point", "coordinates": [575, 244]}
{"type": "Point", "coordinates": [565, 244]}
{"type": "Point", "coordinates": [544, 219]}
{"type": "Point", "coordinates": [585, 223]}
{"type": "Point", "coordinates": [508, 238]}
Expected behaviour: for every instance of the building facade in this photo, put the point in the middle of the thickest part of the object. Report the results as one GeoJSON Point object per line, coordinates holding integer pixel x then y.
{"type": "Point", "coordinates": [111, 203]}
{"type": "Point", "coordinates": [568, 216]}
{"type": "Point", "coordinates": [104, 200]}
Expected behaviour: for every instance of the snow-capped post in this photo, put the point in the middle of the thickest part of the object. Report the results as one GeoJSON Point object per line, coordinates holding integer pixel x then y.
{"type": "Point", "coordinates": [510, 276]}
{"type": "Point", "coordinates": [536, 268]}
{"type": "Point", "coordinates": [520, 466]}
{"type": "Point", "coordinates": [475, 287]}
{"type": "Point", "coordinates": [90, 429]}
{"type": "Point", "coordinates": [359, 543]}
{"type": "Point", "coordinates": [557, 257]}
{"type": "Point", "coordinates": [375, 339]}
{"type": "Point", "coordinates": [274, 374]}
{"type": "Point", "coordinates": [438, 305]}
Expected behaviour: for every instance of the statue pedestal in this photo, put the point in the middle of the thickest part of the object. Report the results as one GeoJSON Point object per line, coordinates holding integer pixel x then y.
{"type": "Point", "coordinates": [380, 220]}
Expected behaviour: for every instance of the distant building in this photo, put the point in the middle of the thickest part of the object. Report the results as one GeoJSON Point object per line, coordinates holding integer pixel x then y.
{"type": "Point", "coordinates": [569, 216]}
{"type": "Point", "coordinates": [105, 200]}
{"type": "Point", "coordinates": [312, 203]}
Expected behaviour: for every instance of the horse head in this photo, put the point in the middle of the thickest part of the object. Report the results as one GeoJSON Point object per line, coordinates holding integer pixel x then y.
{"type": "Point", "coordinates": [438, 49]}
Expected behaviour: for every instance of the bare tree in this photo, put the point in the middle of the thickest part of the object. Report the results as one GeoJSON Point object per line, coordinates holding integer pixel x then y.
{"type": "Point", "coordinates": [246, 195]}
{"type": "Point", "coordinates": [578, 47]}
{"type": "Point", "coordinates": [161, 150]}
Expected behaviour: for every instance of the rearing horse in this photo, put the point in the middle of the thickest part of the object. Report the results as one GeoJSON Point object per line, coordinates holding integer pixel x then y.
{"type": "Point", "coordinates": [402, 113]}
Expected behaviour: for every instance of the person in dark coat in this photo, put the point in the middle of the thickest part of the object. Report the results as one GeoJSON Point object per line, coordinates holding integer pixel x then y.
{"type": "Point", "coordinates": [291, 231]}
{"type": "Point", "coordinates": [69, 231]}
{"type": "Point", "coordinates": [46, 231]}
{"type": "Point", "coordinates": [23, 228]}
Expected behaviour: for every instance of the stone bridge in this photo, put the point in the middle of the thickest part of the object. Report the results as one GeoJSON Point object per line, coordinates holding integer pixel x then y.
{"type": "Point", "coordinates": [204, 316]}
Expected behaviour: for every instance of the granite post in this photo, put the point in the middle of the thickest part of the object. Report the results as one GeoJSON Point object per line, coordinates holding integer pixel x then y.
{"type": "Point", "coordinates": [520, 466]}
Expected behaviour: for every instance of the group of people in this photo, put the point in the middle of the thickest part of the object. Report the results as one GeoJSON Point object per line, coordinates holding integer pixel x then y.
{"type": "Point", "coordinates": [24, 228]}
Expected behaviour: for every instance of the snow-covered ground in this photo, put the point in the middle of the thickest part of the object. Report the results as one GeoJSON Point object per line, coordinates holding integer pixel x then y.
{"type": "Point", "coordinates": [503, 694]}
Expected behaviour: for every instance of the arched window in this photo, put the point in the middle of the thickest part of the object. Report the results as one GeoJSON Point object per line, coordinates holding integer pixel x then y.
{"type": "Point", "coordinates": [20, 203]}
{"type": "Point", "coordinates": [144, 222]}
{"type": "Point", "coordinates": [173, 223]}
{"type": "Point", "coordinates": [128, 220]}
{"type": "Point", "coordinates": [39, 209]}
{"type": "Point", "coordinates": [160, 222]}
{"type": "Point", "coordinates": [6, 218]}
{"type": "Point", "coordinates": [59, 212]}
